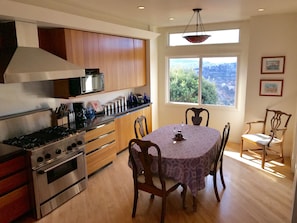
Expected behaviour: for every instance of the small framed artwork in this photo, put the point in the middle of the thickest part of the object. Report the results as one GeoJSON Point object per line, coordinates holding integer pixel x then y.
{"type": "Point", "coordinates": [273, 65]}
{"type": "Point", "coordinates": [271, 87]}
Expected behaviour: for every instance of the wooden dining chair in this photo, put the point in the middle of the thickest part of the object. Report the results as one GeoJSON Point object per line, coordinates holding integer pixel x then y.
{"type": "Point", "coordinates": [218, 164]}
{"type": "Point", "coordinates": [140, 127]}
{"type": "Point", "coordinates": [146, 180]}
{"type": "Point", "coordinates": [199, 115]}
{"type": "Point", "coordinates": [271, 137]}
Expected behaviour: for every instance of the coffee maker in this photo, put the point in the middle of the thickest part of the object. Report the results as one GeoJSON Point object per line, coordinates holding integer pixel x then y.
{"type": "Point", "coordinates": [80, 112]}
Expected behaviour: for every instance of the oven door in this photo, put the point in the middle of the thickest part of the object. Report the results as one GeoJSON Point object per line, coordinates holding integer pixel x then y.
{"type": "Point", "coordinates": [56, 177]}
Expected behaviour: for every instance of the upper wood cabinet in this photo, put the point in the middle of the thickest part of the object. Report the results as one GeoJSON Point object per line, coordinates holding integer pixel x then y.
{"type": "Point", "coordinates": [121, 59]}
{"type": "Point", "coordinates": [139, 62]}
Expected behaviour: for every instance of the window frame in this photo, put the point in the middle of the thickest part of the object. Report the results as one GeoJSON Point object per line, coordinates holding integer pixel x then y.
{"type": "Point", "coordinates": [200, 57]}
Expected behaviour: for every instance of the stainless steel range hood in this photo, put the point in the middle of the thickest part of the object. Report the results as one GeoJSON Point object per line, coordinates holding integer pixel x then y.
{"type": "Point", "coordinates": [21, 59]}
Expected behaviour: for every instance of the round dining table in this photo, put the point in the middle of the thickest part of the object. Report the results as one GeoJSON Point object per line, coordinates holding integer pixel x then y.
{"type": "Point", "coordinates": [187, 160]}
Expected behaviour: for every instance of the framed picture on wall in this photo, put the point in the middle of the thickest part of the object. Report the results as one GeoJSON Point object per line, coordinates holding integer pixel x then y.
{"type": "Point", "coordinates": [273, 65]}
{"type": "Point", "coordinates": [271, 87]}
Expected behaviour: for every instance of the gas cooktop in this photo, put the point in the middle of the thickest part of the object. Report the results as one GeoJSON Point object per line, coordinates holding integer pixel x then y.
{"type": "Point", "coordinates": [41, 137]}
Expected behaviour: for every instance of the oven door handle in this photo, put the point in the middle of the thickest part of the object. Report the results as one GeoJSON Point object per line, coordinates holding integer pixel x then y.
{"type": "Point", "coordinates": [59, 164]}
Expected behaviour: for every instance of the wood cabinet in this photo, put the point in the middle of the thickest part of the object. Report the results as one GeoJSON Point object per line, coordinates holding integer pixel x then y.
{"type": "Point", "coordinates": [14, 192]}
{"type": "Point", "coordinates": [100, 146]}
{"type": "Point", "coordinates": [125, 126]}
{"type": "Point", "coordinates": [121, 59]}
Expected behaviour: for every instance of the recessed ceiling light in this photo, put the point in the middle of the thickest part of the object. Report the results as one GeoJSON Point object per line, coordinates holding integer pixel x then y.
{"type": "Point", "coordinates": [260, 10]}
{"type": "Point", "coordinates": [140, 7]}
{"type": "Point", "coordinates": [171, 18]}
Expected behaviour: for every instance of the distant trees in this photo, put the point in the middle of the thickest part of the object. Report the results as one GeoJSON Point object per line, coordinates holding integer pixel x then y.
{"type": "Point", "coordinates": [184, 87]}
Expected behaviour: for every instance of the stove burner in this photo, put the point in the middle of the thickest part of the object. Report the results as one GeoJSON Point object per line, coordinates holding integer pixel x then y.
{"type": "Point", "coordinates": [40, 138]}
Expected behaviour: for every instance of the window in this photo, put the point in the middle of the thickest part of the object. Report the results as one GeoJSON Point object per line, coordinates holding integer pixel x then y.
{"type": "Point", "coordinates": [214, 84]}
{"type": "Point", "coordinates": [216, 37]}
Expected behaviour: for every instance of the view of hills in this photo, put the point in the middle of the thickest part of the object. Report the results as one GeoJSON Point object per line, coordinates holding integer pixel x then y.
{"type": "Point", "coordinates": [220, 71]}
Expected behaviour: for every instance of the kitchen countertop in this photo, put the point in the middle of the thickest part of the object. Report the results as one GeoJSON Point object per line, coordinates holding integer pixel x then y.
{"type": "Point", "coordinates": [102, 119]}
{"type": "Point", "coordinates": [7, 152]}
{"type": "Point", "coordinates": [133, 109]}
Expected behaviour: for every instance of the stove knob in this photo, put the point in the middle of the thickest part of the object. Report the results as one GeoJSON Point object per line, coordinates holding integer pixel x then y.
{"type": "Point", "coordinates": [69, 148]}
{"type": "Point", "coordinates": [73, 144]}
{"type": "Point", "coordinates": [58, 151]}
{"type": "Point", "coordinates": [79, 142]}
{"type": "Point", "coordinates": [39, 159]}
{"type": "Point", "coordinates": [47, 156]}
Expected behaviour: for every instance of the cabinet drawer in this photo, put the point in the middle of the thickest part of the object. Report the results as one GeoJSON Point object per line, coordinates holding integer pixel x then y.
{"type": "Point", "coordinates": [100, 158]}
{"type": "Point", "coordinates": [97, 143]}
{"type": "Point", "coordinates": [12, 166]}
{"type": "Point", "coordinates": [100, 130]}
{"type": "Point", "coordinates": [12, 182]}
{"type": "Point", "coordinates": [14, 204]}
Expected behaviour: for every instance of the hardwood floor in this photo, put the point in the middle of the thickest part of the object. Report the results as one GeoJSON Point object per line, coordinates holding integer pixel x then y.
{"type": "Point", "coordinates": [251, 195]}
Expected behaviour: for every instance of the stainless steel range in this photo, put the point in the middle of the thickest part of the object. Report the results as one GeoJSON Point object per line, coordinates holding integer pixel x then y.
{"type": "Point", "coordinates": [57, 162]}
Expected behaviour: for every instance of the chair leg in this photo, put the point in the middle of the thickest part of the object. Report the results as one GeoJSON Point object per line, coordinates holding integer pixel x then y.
{"type": "Point", "coordinates": [241, 147]}
{"type": "Point", "coordinates": [135, 201]}
{"type": "Point", "coordinates": [221, 174]}
{"type": "Point", "coordinates": [282, 152]}
{"type": "Point", "coordinates": [263, 157]}
{"type": "Point", "coordinates": [215, 186]}
{"type": "Point", "coordinates": [183, 194]}
{"type": "Point", "coordinates": [163, 209]}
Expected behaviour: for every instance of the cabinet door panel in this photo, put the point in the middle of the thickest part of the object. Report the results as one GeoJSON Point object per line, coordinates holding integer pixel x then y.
{"type": "Point", "coordinates": [75, 46]}
{"type": "Point", "coordinates": [12, 166]}
{"type": "Point", "coordinates": [100, 130]}
{"type": "Point", "coordinates": [100, 158]}
{"type": "Point", "coordinates": [108, 138]}
{"type": "Point", "coordinates": [139, 75]}
{"type": "Point", "coordinates": [14, 204]}
{"type": "Point", "coordinates": [14, 181]}
{"type": "Point", "coordinates": [91, 50]}
{"type": "Point", "coordinates": [147, 112]}
{"type": "Point", "coordinates": [125, 126]}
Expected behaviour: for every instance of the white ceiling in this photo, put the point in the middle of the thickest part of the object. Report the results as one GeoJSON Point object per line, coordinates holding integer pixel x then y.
{"type": "Point", "coordinates": [158, 12]}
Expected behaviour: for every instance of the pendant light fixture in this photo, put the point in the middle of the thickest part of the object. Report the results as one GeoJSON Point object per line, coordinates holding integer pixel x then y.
{"type": "Point", "coordinates": [197, 38]}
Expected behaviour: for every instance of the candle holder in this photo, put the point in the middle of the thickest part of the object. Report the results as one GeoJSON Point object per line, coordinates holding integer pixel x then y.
{"type": "Point", "coordinates": [179, 136]}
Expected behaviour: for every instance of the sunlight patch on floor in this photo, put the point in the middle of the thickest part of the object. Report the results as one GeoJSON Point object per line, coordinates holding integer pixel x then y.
{"type": "Point", "coordinates": [252, 161]}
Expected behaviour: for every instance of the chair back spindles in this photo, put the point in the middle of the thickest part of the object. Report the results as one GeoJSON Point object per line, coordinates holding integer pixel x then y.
{"type": "Point", "coordinates": [140, 127]}
{"type": "Point", "coordinates": [199, 115]}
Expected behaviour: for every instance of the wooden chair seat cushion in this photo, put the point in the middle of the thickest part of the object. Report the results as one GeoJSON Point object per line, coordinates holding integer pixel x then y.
{"type": "Point", "coordinates": [169, 183]}
{"type": "Point", "coordinates": [260, 139]}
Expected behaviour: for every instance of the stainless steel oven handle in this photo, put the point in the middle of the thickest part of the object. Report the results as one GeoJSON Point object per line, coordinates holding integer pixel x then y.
{"type": "Point", "coordinates": [59, 164]}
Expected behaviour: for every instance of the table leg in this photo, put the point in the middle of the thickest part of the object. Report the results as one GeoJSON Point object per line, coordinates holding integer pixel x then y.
{"type": "Point", "coordinates": [194, 204]}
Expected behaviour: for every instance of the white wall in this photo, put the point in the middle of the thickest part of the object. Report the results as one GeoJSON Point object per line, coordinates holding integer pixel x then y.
{"type": "Point", "coordinates": [273, 36]}
{"type": "Point", "coordinates": [173, 113]}
{"type": "Point", "coordinates": [15, 98]}
{"type": "Point", "coordinates": [262, 36]}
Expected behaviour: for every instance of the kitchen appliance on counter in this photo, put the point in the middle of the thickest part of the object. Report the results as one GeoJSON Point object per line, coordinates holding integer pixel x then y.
{"type": "Point", "coordinates": [57, 162]}
{"type": "Point", "coordinates": [116, 106]}
{"type": "Point", "coordinates": [92, 82]}
{"type": "Point", "coordinates": [80, 112]}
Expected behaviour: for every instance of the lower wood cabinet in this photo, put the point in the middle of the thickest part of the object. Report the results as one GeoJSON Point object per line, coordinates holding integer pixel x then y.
{"type": "Point", "coordinates": [14, 192]}
{"type": "Point", "coordinates": [100, 146]}
{"type": "Point", "coordinates": [125, 126]}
